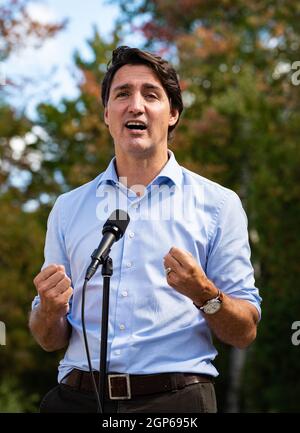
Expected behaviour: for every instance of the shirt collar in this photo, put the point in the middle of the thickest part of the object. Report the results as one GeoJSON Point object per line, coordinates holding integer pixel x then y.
{"type": "Point", "coordinates": [171, 171]}
{"type": "Point", "coordinates": [110, 174]}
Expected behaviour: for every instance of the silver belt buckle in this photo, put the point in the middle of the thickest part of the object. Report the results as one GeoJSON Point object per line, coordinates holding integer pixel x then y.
{"type": "Point", "coordinates": [124, 380]}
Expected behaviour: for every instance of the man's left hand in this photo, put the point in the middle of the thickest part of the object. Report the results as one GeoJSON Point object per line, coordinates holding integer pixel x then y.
{"type": "Point", "coordinates": [187, 277]}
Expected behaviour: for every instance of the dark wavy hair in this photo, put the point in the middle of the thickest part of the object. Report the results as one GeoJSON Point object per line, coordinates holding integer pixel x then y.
{"type": "Point", "coordinates": [164, 71]}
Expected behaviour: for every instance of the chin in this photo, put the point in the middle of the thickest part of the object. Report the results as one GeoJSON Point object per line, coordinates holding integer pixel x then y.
{"type": "Point", "coordinates": [136, 147]}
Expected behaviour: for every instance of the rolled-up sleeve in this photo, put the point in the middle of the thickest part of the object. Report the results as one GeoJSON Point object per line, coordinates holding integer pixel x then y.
{"type": "Point", "coordinates": [229, 265]}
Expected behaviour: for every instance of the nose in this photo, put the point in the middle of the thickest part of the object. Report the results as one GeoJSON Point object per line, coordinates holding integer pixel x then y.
{"type": "Point", "coordinates": [136, 105]}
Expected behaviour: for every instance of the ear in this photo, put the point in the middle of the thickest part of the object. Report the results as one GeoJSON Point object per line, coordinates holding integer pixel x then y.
{"type": "Point", "coordinates": [106, 116]}
{"type": "Point", "coordinates": [173, 116]}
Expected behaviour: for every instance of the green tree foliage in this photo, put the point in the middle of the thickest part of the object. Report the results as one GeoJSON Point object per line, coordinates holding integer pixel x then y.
{"type": "Point", "coordinates": [14, 400]}
{"type": "Point", "coordinates": [65, 147]}
{"type": "Point", "coordinates": [241, 128]}
{"type": "Point", "coordinates": [21, 232]}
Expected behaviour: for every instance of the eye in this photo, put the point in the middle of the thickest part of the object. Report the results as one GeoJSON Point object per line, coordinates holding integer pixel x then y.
{"type": "Point", "coordinates": [151, 96]}
{"type": "Point", "coordinates": [122, 94]}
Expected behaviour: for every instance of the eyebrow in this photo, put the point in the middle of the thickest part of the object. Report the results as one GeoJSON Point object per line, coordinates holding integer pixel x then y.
{"type": "Point", "coordinates": [127, 86]}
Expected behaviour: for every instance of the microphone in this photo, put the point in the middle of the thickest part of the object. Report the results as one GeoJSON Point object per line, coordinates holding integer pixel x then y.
{"type": "Point", "coordinates": [112, 231]}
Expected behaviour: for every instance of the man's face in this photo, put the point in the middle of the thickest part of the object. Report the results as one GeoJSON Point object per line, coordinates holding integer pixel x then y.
{"type": "Point", "coordinates": [138, 111]}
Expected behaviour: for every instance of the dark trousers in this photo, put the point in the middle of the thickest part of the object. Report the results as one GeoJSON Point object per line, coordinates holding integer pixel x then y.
{"type": "Point", "coordinates": [196, 398]}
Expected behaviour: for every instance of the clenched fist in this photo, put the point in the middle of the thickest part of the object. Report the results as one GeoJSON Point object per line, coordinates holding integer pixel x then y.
{"type": "Point", "coordinates": [54, 289]}
{"type": "Point", "coordinates": [186, 276]}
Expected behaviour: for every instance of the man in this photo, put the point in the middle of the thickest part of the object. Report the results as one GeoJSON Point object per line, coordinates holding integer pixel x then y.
{"type": "Point", "coordinates": [181, 270]}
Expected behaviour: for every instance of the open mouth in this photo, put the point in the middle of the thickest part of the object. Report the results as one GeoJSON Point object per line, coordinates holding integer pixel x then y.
{"type": "Point", "coordinates": [136, 126]}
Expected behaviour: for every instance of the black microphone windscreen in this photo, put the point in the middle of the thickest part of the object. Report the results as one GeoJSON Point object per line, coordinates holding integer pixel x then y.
{"type": "Point", "coordinates": [118, 219]}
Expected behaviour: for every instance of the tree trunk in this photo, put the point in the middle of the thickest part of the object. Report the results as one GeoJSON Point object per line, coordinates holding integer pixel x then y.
{"type": "Point", "coordinates": [236, 365]}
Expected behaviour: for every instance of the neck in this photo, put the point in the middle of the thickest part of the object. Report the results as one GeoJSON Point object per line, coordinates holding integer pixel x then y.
{"type": "Point", "coordinates": [137, 173]}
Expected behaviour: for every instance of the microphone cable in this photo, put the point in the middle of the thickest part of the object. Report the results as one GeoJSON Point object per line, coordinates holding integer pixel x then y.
{"type": "Point", "coordinates": [86, 345]}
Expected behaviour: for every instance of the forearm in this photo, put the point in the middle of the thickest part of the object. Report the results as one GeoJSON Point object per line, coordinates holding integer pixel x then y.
{"type": "Point", "coordinates": [51, 332]}
{"type": "Point", "coordinates": [235, 323]}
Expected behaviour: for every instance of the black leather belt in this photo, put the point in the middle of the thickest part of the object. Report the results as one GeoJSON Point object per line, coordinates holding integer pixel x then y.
{"type": "Point", "coordinates": [121, 386]}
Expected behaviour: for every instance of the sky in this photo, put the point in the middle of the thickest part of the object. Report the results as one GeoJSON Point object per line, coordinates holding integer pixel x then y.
{"type": "Point", "coordinates": [53, 63]}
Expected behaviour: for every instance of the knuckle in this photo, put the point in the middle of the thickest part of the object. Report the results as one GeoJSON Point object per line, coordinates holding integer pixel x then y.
{"type": "Point", "coordinates": [68, 280]}
{"type": "Point", "coordinates": [50, 269]}
{"type": "Point", "coordinates": [67, 284]}
{"type": "Point", "coordinates": [41, 288]}
{"type": "Point", "coordinates": [193, 273]}
{"type": "Point", "coordinates": [190, 268]}
{"type": "Point", "coordinates": [61, 274]}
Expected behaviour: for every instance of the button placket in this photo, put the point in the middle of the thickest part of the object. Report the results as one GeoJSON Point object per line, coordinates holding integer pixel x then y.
{"type": "Point", "coordinates": [123, 314]}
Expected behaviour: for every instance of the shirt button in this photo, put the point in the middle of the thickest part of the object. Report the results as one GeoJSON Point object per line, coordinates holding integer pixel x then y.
{"type": "Point", "coordinates": [122, 327]}
{"type": "Point", "coordinates": [125, 293]}
{"type": "Point", "coordinates": [135, 206]}
{"type": "Point", "coordinates": [128, 264]}
{"type": "Point", "coordinates": [118, 352]}
{"type": "Point", "coordinates": [131, 234]}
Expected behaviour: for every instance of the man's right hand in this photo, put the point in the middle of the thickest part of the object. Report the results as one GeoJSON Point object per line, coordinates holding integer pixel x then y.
{"type": "Point", "coordinates": [54, 289]}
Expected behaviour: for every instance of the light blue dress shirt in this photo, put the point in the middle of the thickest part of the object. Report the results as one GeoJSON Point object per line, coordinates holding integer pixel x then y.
{"type": "Point", "coordinates": [152, 327]}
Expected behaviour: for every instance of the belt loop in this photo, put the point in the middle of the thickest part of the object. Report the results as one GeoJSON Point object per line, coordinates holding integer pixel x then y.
{"type": "Point", "coordinates": [174, 382]}
{"type": "Point", "coordinates": [80, 380]}
{"type": "Point", "coordinates": [180, 380]}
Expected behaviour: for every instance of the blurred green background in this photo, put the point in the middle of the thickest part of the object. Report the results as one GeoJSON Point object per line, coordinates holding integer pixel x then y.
{"type": "Point", "coordinates": [238, 70]}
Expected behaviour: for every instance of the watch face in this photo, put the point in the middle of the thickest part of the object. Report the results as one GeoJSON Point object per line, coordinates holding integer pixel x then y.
{"type": "Point", "coordinates": [212, 306]}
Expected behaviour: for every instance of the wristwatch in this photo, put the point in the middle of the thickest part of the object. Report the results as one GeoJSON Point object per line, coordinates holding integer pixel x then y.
{"type": "Point", "coordinates": [212, 305]}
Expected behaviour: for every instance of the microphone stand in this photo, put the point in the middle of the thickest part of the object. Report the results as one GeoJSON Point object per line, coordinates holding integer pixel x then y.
{"type": "Point", "coordinates": [107, 271]}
